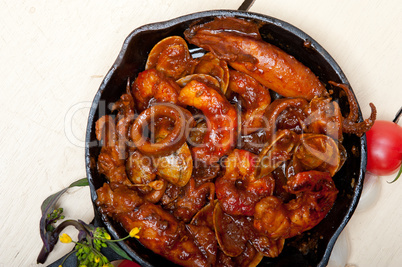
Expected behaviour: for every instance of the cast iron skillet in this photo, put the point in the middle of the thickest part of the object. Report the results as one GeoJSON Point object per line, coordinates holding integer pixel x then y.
{"type": "Point", "coordinates": [312, 248]}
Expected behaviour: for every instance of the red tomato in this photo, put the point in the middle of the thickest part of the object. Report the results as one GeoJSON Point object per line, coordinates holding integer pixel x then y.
{"type": "Point", "coordinates": [127, 263]}
{"type": "Point", "coordinates": [384, 148]}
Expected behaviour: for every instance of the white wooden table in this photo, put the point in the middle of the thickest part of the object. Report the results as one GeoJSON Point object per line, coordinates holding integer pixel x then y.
{"type": "Point", "coordinates": [54, 55]}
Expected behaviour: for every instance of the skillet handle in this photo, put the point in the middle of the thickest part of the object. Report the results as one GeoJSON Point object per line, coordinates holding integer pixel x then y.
{"type": "Point", "coordinates": [245, 6]}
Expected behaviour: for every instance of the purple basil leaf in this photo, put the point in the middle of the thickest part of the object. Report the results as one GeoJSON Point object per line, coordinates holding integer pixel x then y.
{"type": "Point", "coordinates": [48, 205]}
{"type": "Point", "coordinates": [82, 234]}
{"type": "Point", "coordinates": [51, 200]}
{"type": "Point", "coordinates": [52, 238]}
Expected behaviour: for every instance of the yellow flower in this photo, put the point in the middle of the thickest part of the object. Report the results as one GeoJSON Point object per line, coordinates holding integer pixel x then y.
{"type": "Point", "coordinates": [107, 236]}
{"type": "Point", "coordinates": [65, 238]}
{"type": "Point", "coordinates": [97, 259]}
{"type": "Point", "coordinates": [134, 232]}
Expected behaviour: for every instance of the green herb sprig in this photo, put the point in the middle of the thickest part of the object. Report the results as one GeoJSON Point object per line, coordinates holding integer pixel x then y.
{"type": "Point", "coordinates": [90, 241]}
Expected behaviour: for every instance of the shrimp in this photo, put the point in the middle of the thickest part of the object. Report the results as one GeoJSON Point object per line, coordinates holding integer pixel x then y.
{"type": "Point", "coordinates": [239, 42]}
{"type": "Point", "coordinates": [255, 98]}
{"type": "Point", "coordinates": [238, 190]}
{"type": "Point", "coordinates": [315, 195]}
{"type": "Point", "coordinates": [153, 86]}
{"type": "Point", "coordinates": [221, 117]}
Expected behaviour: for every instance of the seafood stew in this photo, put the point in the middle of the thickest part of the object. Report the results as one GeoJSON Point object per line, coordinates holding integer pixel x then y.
{"type": "Point", "coordinates": [216, 176]}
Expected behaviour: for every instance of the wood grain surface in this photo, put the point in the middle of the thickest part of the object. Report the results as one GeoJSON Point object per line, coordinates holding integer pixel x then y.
{"type": "Point", "coordinates": [54, 55]}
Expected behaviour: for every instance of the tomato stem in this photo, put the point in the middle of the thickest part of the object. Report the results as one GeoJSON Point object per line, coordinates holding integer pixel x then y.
{"type": "Point", "coordinates": [397, 176]}
{"type": "Point", "coordinates": [398, 115]}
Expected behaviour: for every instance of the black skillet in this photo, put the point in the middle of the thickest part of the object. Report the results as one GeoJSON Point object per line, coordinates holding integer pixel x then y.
{"type": "Point", "coordinates": [312, 248]}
